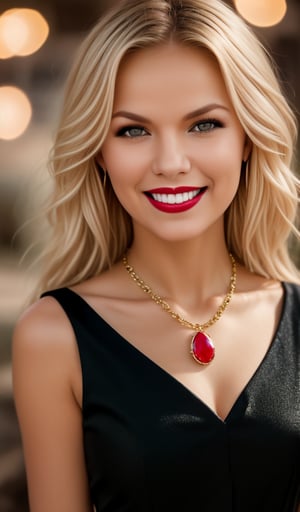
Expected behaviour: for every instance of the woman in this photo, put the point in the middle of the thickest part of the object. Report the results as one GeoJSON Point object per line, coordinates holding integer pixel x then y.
{"type": "Point", "coordinates": [162, 370]}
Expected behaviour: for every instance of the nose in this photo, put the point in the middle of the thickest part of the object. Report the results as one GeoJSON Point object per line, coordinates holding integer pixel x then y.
{"type": "Point", "coordinates": [170, 158]}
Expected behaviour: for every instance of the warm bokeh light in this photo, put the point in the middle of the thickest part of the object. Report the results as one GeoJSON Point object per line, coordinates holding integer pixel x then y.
{"type": "Point", "coordinates": [262, 13]}
{"type": "Point", "coordinates": [22, 32]}
{"type": "Point", "coordinates": [5, 52]}
{"type": "Point", "coordinates": [15, 112]}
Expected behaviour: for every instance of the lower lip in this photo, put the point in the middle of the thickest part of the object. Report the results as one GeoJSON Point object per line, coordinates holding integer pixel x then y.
{"type": "Point", "coordinates": [176, 208]}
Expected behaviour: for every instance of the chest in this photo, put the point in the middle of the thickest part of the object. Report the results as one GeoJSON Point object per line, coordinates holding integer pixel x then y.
{"type": "Point", "coordinates": [242, 339]}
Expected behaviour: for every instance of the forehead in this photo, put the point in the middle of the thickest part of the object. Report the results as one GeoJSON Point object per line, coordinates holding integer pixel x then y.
{"type": "Point", "coordinates": [169, 72]}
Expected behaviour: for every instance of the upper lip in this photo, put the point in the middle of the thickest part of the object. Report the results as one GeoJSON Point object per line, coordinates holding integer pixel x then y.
{"type": "Point", "coordinates": [172, 190]}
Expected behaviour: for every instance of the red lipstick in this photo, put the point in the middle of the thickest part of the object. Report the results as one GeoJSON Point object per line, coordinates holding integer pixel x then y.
{"type": "Point", "coordinates": [179, 199]}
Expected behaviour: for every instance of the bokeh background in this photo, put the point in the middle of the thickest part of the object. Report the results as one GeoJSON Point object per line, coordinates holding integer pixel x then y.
{"type": "Point", "coordinates": [24, 181]}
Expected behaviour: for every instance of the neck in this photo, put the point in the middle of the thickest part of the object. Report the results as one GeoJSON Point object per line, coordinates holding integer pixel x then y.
{"type": "Point", "coordinates": [186, 272]}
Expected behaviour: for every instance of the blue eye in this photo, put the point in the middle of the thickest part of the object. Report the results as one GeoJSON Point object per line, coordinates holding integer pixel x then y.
{"type": "Point", "coordinates": [207, 125]}
{"type": "Point", "coordinates": [132, 132]}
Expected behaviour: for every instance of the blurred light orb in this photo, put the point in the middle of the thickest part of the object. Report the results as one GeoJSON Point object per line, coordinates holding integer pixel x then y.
{"type": "Point", "coordinates": [262, 13]}
{"type": "Point", "coordinates": [5, 53]}
{"type": "Point", "coordinates": [22, 32]}
{"type": "Point", "coordinates": [15, 112]}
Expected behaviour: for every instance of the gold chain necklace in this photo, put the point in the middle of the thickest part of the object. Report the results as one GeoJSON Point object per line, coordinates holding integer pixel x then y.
{"type": "Point", "coordinates": [202, 346]}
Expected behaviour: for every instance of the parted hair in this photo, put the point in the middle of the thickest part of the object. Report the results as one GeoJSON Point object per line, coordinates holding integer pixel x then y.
{"type": "Point", "coordinates": [89, 228]}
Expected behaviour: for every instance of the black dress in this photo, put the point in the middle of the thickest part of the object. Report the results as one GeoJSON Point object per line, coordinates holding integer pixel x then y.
{"type": "Point", "coordinates": [152, 445]}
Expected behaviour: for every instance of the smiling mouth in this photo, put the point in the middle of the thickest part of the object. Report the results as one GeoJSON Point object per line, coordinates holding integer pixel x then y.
{"type": "Point", "coordinates": [175, 200]}
{"type": "Point", "coordinates": [176, 197]}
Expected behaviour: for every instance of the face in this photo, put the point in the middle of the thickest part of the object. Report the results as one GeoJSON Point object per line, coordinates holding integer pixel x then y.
{"type": "Point", "coordinates": [175, 146]}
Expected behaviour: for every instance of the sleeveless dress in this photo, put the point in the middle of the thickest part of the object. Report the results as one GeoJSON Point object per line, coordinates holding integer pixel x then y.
{"type": "Point", "coordinates": [152, 446]}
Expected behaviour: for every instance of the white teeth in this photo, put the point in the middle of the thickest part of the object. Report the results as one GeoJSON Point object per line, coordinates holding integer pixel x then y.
{"type": "Point", "coordinates": [175, 198]}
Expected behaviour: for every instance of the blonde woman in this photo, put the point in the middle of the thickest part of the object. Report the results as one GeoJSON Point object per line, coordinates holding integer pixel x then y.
{"type": "Point", "coordinates": [160, 369]}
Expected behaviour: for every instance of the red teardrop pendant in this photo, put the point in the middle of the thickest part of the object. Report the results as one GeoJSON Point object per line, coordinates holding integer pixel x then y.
{"type": "Point", "coordinates": [202, 348]}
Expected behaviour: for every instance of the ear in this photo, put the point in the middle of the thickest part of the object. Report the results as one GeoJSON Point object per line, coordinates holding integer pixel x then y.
{"type": "Point", "coordinates": [247, 149]}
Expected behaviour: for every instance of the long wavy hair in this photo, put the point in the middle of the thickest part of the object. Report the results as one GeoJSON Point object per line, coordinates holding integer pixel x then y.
{"type": "Point", "coordinates": [90, 230]}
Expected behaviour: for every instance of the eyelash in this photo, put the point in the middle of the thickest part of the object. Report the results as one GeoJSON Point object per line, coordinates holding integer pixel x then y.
{"type": "Point", "coordinates": [124, 129]}
{"type": "Point", "coordinates": [214, 122]}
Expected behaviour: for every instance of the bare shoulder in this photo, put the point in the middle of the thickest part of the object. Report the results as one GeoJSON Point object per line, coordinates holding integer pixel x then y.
{"type": "Point", "coordinates": [43, 326]}
{"type": "Point", "coordinates": [44, 315]}
{"type": "Point", "coordinates": [47, 392]}
{"type": "Point", "coordinates": [43, 339]}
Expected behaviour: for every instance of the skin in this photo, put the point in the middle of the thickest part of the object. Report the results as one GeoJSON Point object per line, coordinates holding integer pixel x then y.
{"type": "Point", "coordinates": [175, 146]}
{"type": "Point", "coordinates": [182, 256]}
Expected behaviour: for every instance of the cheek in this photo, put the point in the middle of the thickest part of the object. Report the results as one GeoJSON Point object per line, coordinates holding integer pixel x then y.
{"type": "Point", "coordinates": [124, 165]}
{"type": "Point", "coordinates": [230, 147]}
{"type": "Point", "coordinates": [219, 165]}
{"type": "Point", "coordinates": [224, 147]}
{"type": "Point", "coordinates": [125, 176]}
{"type": "Point", "coordinates": [226, 158]}
{"type": "Point", "coordinates": [222, 167]}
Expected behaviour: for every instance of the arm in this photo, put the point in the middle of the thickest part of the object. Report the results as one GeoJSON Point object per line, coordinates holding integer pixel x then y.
{"type": "Point", "coordinates": [46, 371]}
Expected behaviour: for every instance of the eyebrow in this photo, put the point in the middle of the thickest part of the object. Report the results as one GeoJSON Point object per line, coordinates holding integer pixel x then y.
{"type": "Point", "coordinates": [190, 115]}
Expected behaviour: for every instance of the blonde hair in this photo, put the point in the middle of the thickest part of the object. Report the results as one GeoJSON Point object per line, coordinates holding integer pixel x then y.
{"type": "Point", "coordinates": [90, 228]}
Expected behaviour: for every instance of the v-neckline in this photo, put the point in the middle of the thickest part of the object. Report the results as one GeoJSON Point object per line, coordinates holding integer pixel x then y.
{"type": "Point", "coordinates": [167, 375]}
